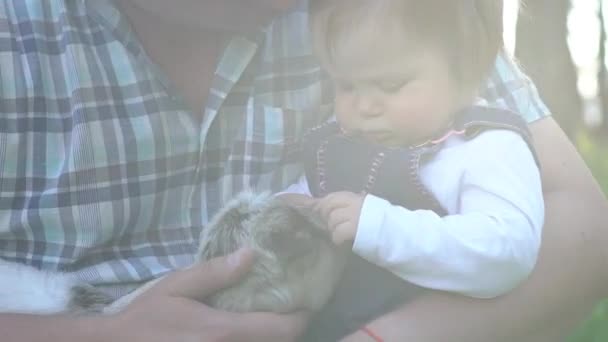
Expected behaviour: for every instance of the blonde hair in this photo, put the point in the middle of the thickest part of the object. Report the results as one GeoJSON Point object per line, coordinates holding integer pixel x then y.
{"type": "Point", "coordinates": [469, 32]}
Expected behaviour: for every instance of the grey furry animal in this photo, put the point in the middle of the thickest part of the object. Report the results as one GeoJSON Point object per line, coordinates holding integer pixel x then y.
{"type": "Point", "coordinates": [297, 265]}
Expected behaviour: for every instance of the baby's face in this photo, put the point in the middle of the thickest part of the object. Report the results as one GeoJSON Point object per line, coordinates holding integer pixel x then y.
{"type": "Point", "coordinates": [397, 94]}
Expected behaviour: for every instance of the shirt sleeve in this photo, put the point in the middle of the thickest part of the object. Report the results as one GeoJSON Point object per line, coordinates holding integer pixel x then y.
{"type": "Point", "coordinates": [509, 88]}
{"type": "Point", "coordinates": [300, 187]}
{"type": "Point", "coordinates": [485, 248]}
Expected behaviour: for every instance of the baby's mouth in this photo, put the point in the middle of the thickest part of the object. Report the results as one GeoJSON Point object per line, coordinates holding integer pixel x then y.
{"type": "Point", "coordinates": [380, 137]}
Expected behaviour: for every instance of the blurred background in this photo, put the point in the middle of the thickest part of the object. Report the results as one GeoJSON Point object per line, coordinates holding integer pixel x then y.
{"type": "Point", "coordinates": [561, 45]}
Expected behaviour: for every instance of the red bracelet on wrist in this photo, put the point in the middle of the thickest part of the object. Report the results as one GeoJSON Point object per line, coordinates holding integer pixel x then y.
{"type": "Point", "coordinates": [371, 334]}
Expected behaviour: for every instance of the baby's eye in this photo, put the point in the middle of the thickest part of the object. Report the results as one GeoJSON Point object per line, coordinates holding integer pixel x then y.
{"type": "Point", "coordinates": [392, 86]}
{"type": "Point", "coordinates": [345, 86]}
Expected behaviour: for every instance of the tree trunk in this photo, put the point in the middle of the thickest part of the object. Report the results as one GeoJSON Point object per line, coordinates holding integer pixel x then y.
{"type": "Point", "coordinates": [601, 77]}
{"type": "Point", "coordinates": [543, 52]}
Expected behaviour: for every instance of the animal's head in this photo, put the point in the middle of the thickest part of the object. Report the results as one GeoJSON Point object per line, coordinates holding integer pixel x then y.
{"type": "Point", "coordinates": [297, 265]}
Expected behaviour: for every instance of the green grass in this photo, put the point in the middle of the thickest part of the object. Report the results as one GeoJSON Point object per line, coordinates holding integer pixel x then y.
{"type": "Point", "coordinates": [594, 150]}
{"type": "Point", "coordinates": [595, 329]}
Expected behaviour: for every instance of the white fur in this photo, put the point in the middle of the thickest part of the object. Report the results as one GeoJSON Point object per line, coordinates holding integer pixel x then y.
{"type": "Point", "coordinates": [24, 289]}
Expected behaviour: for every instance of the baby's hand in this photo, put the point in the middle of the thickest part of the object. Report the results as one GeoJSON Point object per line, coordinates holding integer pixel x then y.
{"type": "Point", "coordinates": [341, 211]}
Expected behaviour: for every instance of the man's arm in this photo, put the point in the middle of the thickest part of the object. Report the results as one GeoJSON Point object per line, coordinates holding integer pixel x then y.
{"type": "Point", "coordinates": [17, 327]}
{"type": "Point", "coordinates": [169, 311]}
{"type": "Point", "coordinates": [570, 277]}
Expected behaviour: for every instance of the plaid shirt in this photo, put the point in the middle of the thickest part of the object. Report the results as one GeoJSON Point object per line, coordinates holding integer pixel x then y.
{"type": "Point", "coordinates": [105, 173]}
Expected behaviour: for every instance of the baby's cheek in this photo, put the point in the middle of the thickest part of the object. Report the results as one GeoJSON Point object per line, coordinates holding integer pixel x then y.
{"type": "Point", "coordinates": [345, 112]}
{"type": "Point", "coordinates": [416, 125]}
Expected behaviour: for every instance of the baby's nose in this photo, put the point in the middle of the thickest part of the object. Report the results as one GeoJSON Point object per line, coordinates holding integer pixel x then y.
{"type": "Point", "coordinates": [368, 106]}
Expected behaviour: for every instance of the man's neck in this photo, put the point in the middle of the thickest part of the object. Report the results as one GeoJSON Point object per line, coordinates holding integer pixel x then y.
{"type": "Point", "coordinates": [188, 55]}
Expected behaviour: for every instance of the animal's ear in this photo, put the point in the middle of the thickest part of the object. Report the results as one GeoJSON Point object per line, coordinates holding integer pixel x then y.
{"type": "Point", "coordinates": [311, 215]}
{"type": "Point", "coordinates": [226, 231]}
{"type": "Point", "coordinates": [304, 205]}
{"type": "Point", "coordinates": [220, 237]}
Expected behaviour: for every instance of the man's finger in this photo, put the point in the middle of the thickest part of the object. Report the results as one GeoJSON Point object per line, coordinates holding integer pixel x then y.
{"type": "Point", "coordinates": [205, 278]}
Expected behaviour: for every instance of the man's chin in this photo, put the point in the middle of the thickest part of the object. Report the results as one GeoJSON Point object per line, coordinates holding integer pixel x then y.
{"type": "Point", "coordinates": [238, 16]}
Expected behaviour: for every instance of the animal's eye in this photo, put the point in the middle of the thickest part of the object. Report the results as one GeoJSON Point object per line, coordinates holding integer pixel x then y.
{"type": "Point", "coordinates": [291, 246]}
{"type": "Point", "coordinates": [243, 216]}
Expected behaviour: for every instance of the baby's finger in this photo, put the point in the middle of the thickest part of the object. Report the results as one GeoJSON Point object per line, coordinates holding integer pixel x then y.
{"type": "Point", "coordinates": [342, 233]}
{"type": "Point", "coordinates": [337, 217]}
{"type": "Point", "coordinates": [327, 204]}
{"type": "Point", "coordinates": [298, 200]}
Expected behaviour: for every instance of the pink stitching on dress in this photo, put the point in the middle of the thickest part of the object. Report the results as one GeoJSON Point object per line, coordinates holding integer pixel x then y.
{"type": "Point", "coordinates": [447, 135]}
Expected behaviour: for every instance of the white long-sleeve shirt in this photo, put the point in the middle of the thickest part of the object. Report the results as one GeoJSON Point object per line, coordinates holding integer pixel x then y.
{"type": "Point", "coordinates": [489, 241]}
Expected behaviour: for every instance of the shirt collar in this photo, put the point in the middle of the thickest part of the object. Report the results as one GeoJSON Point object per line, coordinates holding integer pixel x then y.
{"type": "Point", "coordinates": [238, 54]}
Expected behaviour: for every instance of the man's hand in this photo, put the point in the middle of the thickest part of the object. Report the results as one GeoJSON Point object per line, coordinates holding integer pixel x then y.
{"type": "Point", "coordinates": [172, 310]}
{"type": "Point", "coordinates": [341, 211]}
